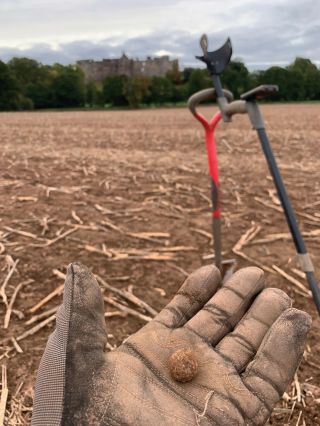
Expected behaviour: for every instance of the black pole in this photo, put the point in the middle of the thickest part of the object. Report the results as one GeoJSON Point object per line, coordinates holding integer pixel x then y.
{"type": "Point", "coordinates": [218, 86]}
{"type": "Point", "coordinates": [289, 213]}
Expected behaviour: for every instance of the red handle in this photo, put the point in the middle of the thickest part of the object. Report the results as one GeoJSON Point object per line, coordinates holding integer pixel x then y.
{"type": "Point", "coordinates": [209, 127]}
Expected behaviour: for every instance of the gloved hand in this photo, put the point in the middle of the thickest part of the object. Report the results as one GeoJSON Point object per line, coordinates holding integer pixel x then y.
{"type": "Point", "coordinates": [238, 346]}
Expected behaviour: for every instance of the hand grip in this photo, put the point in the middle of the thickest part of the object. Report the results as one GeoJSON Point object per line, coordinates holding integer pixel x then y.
{"type": "Point", "coordinates": [206, 95]}
{"type": "Point", "coordinates": [204, 44]}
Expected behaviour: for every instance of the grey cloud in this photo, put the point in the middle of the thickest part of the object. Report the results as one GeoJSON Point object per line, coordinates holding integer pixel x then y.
{"type": "Point", "coordinates": [257, 52]}
{"type": "Point", "coordinates": [272, 32]}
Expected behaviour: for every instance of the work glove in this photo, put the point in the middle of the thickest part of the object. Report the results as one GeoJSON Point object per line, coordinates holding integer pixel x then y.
{"type": "Point", "coordinates": [215, 355]}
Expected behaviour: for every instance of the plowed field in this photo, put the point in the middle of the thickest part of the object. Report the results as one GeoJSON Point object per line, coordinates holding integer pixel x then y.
{"type": "Point", "coordinates": [127, 194]}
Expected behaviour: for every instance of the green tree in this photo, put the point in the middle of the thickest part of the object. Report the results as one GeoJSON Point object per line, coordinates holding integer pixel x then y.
{"type": "Point", "coordinates": [161, 90]}
{"type": "Point", "coordinates": [174, 75]}
{"type": "Point", "coordinates": [94, 94]}
{"type": "Point", "coordinates": [69, 87]}
{"type": "Point", "coordinates": [35, 81]}
{"type": "Point", "coordinates": [295, 86]}
{"type": "Point", "coordinates": [236, 78]}
{"type": "Point", "coordinates": [180, 93]}
{"type": "Point", "coordinates": [9, 93]}
{"type": "Point", "coordinates": [186, 73]}
{"type": "Point", "coordinates": [199, 79]}
{"type": "Point", "coordinates": [91, 94]}
{"type": "Point", "coordinates": [136, 90]}
{"type": "Point", "coordinates": [113, 90]}
{"type": "Point", "coordinates": [307, 76]}
{"type": "Point", "coordinates": [41, 93]}
{"type": "Point", "coordinates": [280, 77]}
{"type": "Point", "coordinates": [26, 83]}
{"type": "Point", "coordinates": [25, 70]}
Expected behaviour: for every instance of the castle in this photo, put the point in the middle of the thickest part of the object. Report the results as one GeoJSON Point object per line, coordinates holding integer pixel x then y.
{"type": "Point", "coordinates": [98, 70]}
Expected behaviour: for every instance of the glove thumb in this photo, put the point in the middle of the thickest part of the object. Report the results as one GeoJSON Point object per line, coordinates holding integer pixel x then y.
{"type": "Point", "coordinates": [74, 351]}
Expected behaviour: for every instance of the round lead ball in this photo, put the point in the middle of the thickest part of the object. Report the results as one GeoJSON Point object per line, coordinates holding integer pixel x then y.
{"type": "Point", "coordinates": [183, 365]}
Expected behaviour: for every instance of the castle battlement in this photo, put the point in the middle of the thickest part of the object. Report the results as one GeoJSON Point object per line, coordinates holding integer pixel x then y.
{"type": "Point", "coordinates": [99, 70]}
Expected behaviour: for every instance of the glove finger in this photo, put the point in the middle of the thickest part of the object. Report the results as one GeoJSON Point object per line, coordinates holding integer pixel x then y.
{"type": "Point", "coordinates": [197, 289]}
{"type": "Point", "coordinates": [225, 309]}
{"type": "Point", "coordinates": [278, 357]}
{"type": "Point", "coordinates": [241, 345]}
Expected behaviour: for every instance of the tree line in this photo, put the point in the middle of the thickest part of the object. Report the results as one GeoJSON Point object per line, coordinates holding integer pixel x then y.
{"type": "Point", "coordinates": [26, 84]}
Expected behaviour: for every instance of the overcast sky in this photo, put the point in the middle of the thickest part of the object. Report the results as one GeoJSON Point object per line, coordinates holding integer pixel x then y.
{"type": "Point", "coordinates": [262, 32]}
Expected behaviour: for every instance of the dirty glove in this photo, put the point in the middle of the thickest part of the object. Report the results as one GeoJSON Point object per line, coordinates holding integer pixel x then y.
{"type": "Point", "coordinates": [213, 356]}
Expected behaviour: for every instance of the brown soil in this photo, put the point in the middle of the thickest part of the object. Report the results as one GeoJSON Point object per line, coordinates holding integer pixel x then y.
{"type": "Point", "coordinates": [146, 171]}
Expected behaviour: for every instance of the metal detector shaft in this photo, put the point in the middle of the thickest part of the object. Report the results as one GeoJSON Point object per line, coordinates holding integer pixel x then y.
{"type": "Point", "coordinates": [306, 263]}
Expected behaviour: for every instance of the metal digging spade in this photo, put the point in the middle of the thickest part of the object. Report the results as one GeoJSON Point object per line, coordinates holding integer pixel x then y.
{"type": "Point", "coordinates": [226, 266]}
{"type": "Point", "coordinates": [216, 62]}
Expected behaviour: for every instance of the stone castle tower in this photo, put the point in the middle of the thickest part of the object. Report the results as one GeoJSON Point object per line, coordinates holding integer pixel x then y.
{"type": "Point", "coordinates": [98, 70]}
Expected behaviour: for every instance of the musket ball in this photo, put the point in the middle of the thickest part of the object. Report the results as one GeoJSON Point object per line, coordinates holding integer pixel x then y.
{"type": "Point", "coordinates": [183, 365]}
